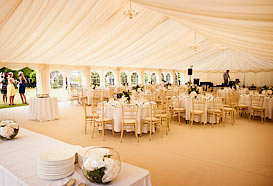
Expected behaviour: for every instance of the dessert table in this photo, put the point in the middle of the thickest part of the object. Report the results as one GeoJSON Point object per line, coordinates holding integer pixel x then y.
{"type": "Point", "coordinates": [43, 109]}
{"type": "Point", "coordinates": [19, 161]}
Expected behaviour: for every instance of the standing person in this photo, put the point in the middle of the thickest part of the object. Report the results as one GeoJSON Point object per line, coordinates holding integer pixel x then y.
{"type": "Point", "coordinates": [226, 77]}
{"type": "Point", "coordinates": [22, 87]}
{"type": "Point", "coordinates": [11, 88]}
{"type": "Point", "coordinates": [4, 82]}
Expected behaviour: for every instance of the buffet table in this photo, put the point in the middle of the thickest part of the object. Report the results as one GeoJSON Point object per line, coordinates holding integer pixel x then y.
{"type": "Point", "coordinates": [19, 160]}
{"type": "Point", "coordinates": [43, 109]}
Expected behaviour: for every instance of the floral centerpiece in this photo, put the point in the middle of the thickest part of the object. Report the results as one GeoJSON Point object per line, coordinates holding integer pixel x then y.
{"type": "Point", "coordinates": [127, 94]}
{"type": "Point", "coordinates": [168, 85]}
{"type": "Point", "coordinates": [265, 90]}
{"type": "Point", "coordinates": [193, 90]}
{"type": "Point", "coordinates": [94, 85]}
{"type": "Point", "coordinates": [101, 164]}
{"type": "Point", "coordinates": [138, 88]}
{"type": "Point", "coordinates": [8, 129]}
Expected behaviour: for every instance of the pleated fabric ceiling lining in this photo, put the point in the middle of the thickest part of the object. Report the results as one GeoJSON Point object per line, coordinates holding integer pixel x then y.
{"type": "Point", "coordinates": [97, 33]}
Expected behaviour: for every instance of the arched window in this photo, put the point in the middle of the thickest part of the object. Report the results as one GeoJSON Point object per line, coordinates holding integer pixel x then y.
{"type": "Point", "coordinates": [95, 78]}
{"type": "Point", "coordinates": [109, 79]}
{"type": "Point", "coordinates": [56, 79]}
{"type": "Point", "coordinates": [123, 78]}
{"type": "Point", "coordinates": [146, 78]}
{"type": "Point", "coordinates": [134, 78]}
{"type": "Point", "coordinates": [168, 77]}
{"type": "Point", "coordinates": [162, 77]}
{"type": "Point", "coordinates": [153, 77]}
{"type": "Point", "coordinates": [179, 78]}
{"type": "Point", "coordinates": [75, 79]}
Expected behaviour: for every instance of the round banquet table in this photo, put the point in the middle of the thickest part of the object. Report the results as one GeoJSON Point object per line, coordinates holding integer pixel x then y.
{"type": "Point", "coordinates": [43, 109]}
{"type": "Point", "coordinates": [115, 113]}
{"type": "Point", "coordinates": [268, 105]}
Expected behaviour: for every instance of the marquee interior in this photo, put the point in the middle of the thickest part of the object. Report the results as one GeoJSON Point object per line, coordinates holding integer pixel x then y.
{"type": "Point", "coordinates": [95, 35]}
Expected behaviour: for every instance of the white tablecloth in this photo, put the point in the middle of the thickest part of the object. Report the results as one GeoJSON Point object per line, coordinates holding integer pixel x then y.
{"type": "Point", "coordinates": [268, 105]}
{"type": "Point", "coordinates": [43, 109]}
{"type": "Point", "coordinates": [19, 160]}
{"type": "Point", "coordinates": [115, 113]}
{"type": "Point", "coordinates": [89, 93]}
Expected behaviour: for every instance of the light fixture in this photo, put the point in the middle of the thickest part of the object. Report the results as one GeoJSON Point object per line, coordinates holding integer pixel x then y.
{"type": "Point", "coordinates": [223, 48]}
{"type": "Point", "coordinates": [195, 46]}
{"type": "Point", "coordinates": [131, 12]}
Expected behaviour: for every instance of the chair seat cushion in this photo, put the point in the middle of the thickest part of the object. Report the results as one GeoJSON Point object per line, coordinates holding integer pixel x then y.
{"type": "Point", "coordinates": [197, 112]}
{"type": "Point", "coordinates": [243, 106]}
{"type": "Point", "coordinates": [104, 119]}
{"type": "Point", "coordinates": [92, 115]}
{"type": "Point", "coordinates": [130, 121]}
{"type": "Point", "coordinates": [161, 115]}
{"type": "Point", "coordinates": [228, 109]}
{"type": "Point", "coordinates": [149, 118]}
{"type": "Point", "coordinates": [257, 108]}
{"type": "Point", "coordinates": [214, 110]}
{"type": "Point", "coordinates": [179, 109]}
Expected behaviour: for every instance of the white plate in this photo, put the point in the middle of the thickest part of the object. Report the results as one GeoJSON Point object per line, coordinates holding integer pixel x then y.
{"type": "Point", "coordinates": [56, 176]}
{"type": "Point", "coordinates": [60, 156]}
{"type": "Point", "coordinates": [54, 172]}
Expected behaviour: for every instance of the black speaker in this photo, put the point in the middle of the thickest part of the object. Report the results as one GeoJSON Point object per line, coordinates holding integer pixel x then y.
{"type": "Point", "coordinates": [196, 82]}
{"type": "Point", "coordinates": [190, 71]}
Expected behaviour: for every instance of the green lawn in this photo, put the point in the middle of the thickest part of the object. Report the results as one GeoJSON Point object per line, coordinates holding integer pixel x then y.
{"type": "Point", "coordinates": [60, 93]}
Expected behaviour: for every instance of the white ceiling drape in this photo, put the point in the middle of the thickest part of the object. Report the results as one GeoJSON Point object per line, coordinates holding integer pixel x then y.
{"type": "Point", "coordinates": [246, 25]}
{"type": "Point", "coordinates": [96, 33]}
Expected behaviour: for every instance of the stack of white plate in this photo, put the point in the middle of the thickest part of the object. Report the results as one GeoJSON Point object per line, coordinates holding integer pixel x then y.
{"type": "Point", "coordinates": [56, 163]}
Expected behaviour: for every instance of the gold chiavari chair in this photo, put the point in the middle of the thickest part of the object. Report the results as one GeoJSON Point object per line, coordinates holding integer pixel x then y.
{"type": "Point", "coordinates": [102, 121]}
{"type": "Point", "coordinates": [129, 119]}
{"type": "Point", "coordinates": [88, 117]}
{"type": "Point", "coordinates": [152, 121]}
{"type": "Point", "coordinates": [198, 109]}
{"type": "Point", "coordinates": [164, 113]}
{"type": "Point", "coordinates": [217, 110]}
{"type": "Point", "coordinates": [229, 107]}
{"type": "Point", "coordinates": [177, 109]}
{"type": "Point", "coordinates": [257, 105]}
{"type": "Point", "coordinates": [73, 94]}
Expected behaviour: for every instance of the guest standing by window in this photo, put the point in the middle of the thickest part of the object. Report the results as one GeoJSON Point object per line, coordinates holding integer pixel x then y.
{"type": "Point", "coordinates": [11, 88]}
{"type": "Point", "coordinates": [4, 82]}
{"type": "Point", "coordinates": [22, 87]}
{"type": "Point", "coordinates": [226, 77]}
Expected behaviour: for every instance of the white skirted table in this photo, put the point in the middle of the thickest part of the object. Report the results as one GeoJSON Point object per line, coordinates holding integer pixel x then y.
{"type": "Point", "coordinates": [43, 109]}
{"type": "Point", "coordinates": [19, 160]}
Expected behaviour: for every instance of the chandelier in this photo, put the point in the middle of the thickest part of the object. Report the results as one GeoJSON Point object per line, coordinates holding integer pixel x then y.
{"type": "Point", "coordinates": [195, 46]}
{"type": "Point", "coordinates": [223, 48]}
{"type": "Point", "coordinates": [130, 12]}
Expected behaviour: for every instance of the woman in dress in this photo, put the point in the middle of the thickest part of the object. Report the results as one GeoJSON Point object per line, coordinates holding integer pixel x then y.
{"type": "Point", "coordinates": [11, 88]}
{"type": "Point", "coordinates": [22, 87]}
{"type": "Point", "coordinates": [4, 82]}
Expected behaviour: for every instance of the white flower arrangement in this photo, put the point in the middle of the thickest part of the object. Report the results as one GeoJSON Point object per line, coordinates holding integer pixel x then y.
{"type": "Point", "coordinates": [269, 92]}
{"type": "Point", "coordinates": [8, 129]}
{"type": "Point", "coordinates": [99, 167]}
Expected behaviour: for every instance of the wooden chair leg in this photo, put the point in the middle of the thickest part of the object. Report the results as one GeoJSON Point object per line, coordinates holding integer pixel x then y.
{"type": "Point", "coordinates": [121, 135]}
{"type": "Point", "coordinates": [102, 131]}
{"type": "Point", "coordinates": [150, 131]}
{"type": "Point", "coordinates": [179, 118]}
{"type": "Point", "coordinates": [94, 123]}
{"type": "Point", "coordinates": [113, 132]}
{"type": "Point", "coordinates": [85, 126]}
{"type": "Point", "coordinates": [136, 132]}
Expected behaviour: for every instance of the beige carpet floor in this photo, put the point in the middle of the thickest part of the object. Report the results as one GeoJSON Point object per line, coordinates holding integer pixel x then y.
{"type": "Point", "coordinates": [238, 155]}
